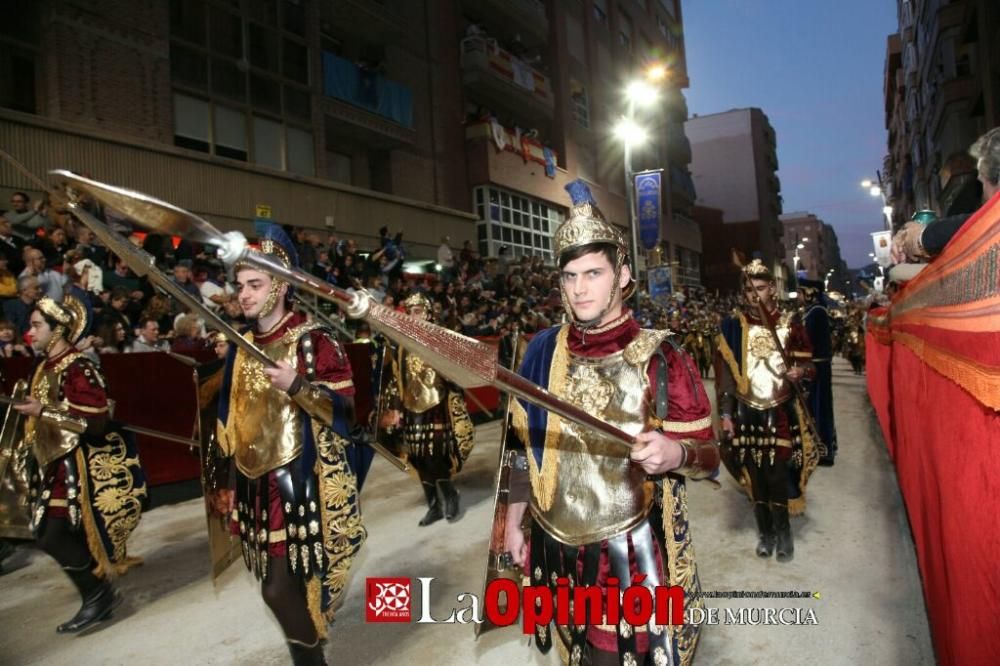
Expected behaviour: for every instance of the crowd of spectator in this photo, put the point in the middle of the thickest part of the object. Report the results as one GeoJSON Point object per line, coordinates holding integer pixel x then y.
{"type": "Point", "coordinates": [45, 252]}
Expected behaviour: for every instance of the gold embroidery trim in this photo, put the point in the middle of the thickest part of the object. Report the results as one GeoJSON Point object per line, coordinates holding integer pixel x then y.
{"type": "Point", "coordinates": [682, 426]}
{"type": "Point", "coordinates": [641, 349]}
{"type": "Point", "coordinates": [544, 480]}
{"type": "Point", "coordinates": [85, 409]}
{"type": "Point", "coordinates": [982, 381]}
{"type": "Point", "coordinates": [740, 377]}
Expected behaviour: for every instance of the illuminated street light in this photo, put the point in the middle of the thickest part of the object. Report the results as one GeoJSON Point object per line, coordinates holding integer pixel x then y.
{"type": "Point", "coordinates": [629, 132]}
{"type": "Point", "coordinates": [800, 246]}
{"type": "Point", "coordinates": [641, 93]}
{"type": "Point", "coordinates": [805, 239]}
{"type": "Point", "coordinates": [656, 73]}
{"type": "Point", "coordinates": [875, 191]}
{"type": "Point", "coordinates": [887, 211]}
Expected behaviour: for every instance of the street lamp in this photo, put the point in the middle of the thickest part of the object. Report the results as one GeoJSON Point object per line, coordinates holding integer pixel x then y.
{"type": "Point", "coordinates": [642, 94]}
{"type": "Point", "coordinates": [877, 189]}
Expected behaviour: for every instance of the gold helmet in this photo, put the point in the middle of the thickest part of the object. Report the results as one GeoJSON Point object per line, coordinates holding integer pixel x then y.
{"type": "Point", "coordinates": [417, 300]}
{"type": "Point", "coordinates": [758, 270]}
{"type": "Point", "coordinates": [70, 318]}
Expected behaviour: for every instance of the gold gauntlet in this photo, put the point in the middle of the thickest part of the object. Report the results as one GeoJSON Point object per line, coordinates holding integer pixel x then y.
{"type": "Point", "coordinates": [701, 459]}
{"type": "Point", "coordinates": [63, 420]}
{"type": "Point", "coordinates": [315, 402]}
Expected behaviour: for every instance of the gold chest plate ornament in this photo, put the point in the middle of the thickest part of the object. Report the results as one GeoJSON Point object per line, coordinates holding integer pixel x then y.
{"type": "Point", "coordinates": [421, 387]}
{"type": "Point", "coordinates": [764, 367]}
{"type": "Point", "coordinates": [48, 441]}
{"type": "Point", "coordinates": [263, 430]}
{"type": "Point", "coordinates": [599, 493]}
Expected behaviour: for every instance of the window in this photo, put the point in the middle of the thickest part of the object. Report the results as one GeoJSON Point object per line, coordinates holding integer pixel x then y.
{"type": "Point", "coordinates": [521, 223]}
{"type": "Point", "coordinates": [300, 152]}
{"type": "Point", "coordinates": [224, 131]}
{"type": "Point", "coordinates": [187, 20]}
{"type": "Point", "coordinates": [230, 133]}
{"type": "Point", "coordinates": [338, 167]}
{"type": "Point", "coordinates": [624, 30]}
{"type": "Point", "coordinates": [191, 126]}
{"type": "Point", "coordinates": [17, 81]}
{"type": "Point", "coordinates": [267, 143]}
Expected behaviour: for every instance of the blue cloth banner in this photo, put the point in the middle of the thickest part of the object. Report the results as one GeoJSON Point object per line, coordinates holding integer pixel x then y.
{"type": "Point", "coordinates": [647, 203]}
{"type": "Point", "coordinates": [346, 81]}
{"type": "Point", "coordinates": [660, 284]}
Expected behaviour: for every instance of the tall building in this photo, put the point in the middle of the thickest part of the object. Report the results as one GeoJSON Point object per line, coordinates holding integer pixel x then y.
{"type": "Point", "coordinates": [460, 118]}
{"type": "Point", "coordinates": [820, 249]}
{"type": "Point", "coordinates": [942, 91]}
{"type": "Point", "coordinates": [734, 164]}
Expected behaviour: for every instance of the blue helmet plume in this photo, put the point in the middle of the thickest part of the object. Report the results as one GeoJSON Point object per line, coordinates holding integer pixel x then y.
{"type": "Point", "coordinates": [580, 193]}
{"type": "Point", "coordinates": [273, 232]}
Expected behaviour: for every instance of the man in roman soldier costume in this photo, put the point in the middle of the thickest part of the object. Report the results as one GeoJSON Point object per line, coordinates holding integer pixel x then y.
{"type": "Point", "coordinates": [284, 430]}
{"type": "Point", "coordinates": [819, 328]}
{"type": "Point", "coordinates": [767, 448]}
{"type": "Point", "coordinates": [598, 510]}
{"type": "Point", "coordinates": [87, 488]}
{"type": "Point", "coordinates": [437, 432]}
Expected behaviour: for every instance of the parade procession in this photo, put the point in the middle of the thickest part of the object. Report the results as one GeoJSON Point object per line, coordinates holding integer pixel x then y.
{"type": "Point", "coordinates": [396, 331]}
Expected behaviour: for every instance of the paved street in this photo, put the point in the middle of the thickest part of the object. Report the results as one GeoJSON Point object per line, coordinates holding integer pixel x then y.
{"type": "Point", "coordinates": [853, 548]}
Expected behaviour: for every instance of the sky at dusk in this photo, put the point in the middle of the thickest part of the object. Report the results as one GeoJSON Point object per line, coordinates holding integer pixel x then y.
{"type": "Point", "coordinates": [815, 67]}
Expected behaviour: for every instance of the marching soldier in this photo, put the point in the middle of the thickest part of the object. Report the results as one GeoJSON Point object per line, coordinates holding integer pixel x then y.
{"type": "Point", "coordinates": [284, 431]}
{"type": "Point", "coordinates": [595, 509]}
{"type": "Point", "coordinates": [430, 412]}
{"type": "Point", "coordinates": [768, 451]}
{"type": "Point", "coordinates": [88, 488]}
{"type": "Point", "coordinates": [819, 326]}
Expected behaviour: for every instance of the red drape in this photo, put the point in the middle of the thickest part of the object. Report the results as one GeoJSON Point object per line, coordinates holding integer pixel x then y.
{"type": "Point", "coordinates": [933, 365]}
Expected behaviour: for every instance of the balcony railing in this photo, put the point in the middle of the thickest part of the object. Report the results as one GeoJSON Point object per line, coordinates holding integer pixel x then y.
{"type": "Point", "coordinates": [346, 81]}
{"type": "Point", "coordinates": [526, 18]}
{"type": "Point", "coordinates": [502, 80]}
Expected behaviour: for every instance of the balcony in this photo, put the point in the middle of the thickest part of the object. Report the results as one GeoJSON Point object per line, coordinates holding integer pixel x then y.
{"type": "Point", "coordinates": [524, 18]}
{"type": "Point", "coordinates": [376, 20]}
{"type": "Point", "coordinates": [499, 80]}
{"type": "Point", "coordinates": [380, 108]}
{"type": "Point", "coordinates": [496, 154]}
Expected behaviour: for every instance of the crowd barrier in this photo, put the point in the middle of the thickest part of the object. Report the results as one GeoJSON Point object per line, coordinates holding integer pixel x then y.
{"type": "Point", "coordinates": [933, 373]}
{"type": "Point", "coordinates": [160, 392]}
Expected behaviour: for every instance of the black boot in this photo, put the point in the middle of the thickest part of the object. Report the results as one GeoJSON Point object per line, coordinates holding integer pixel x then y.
{"type": "Point", "coordinates": [450, 498]}
{"type": "Point", "coordinates": [434, 505]}
{"type": "Point", "coordinates": [99, 600]}
{"type": "Point", "coordinates": [765, 529]}
{"type": "Point", "coordinates": [783, 529]}
{"type": "Point", "coordinates": [307, 655]}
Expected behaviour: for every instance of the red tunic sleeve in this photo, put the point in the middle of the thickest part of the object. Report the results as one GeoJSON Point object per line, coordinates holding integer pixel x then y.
{"type": "Point", "coordinates": [333, 370]}
{"type": "Point", "coordinates": [84, 390]}
{"type": "Point", "coordinates": [689, 412]}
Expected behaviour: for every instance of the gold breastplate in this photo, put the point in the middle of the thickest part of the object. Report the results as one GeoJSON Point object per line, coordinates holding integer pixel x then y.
{"type": "Point", "coordinates": [599, 493]}
{"type": "Point", "coordinates": [420, 384]}
{"type": "Point", "coordinates": [48, 441]}
{"type": "Point", "coordinates": [764, 367]}
{"type": "Point", "coordinates": [263, 430]}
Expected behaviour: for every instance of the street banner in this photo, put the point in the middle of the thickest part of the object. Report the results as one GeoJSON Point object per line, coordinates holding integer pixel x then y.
{"type": "Point", "coordinates": [647, 203]}
{"type": "Point", "coordinates": [660, 284]}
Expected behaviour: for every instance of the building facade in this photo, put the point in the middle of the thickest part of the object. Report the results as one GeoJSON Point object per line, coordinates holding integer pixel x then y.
{"type": "Point", "coordinates": [942, 91]}
{"type": "Point", "coordinates": [818, 258]}
{"type": "Point", "coordinates": [459, 118]}
{"type": "Point", "coordinates": [734, 167]}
